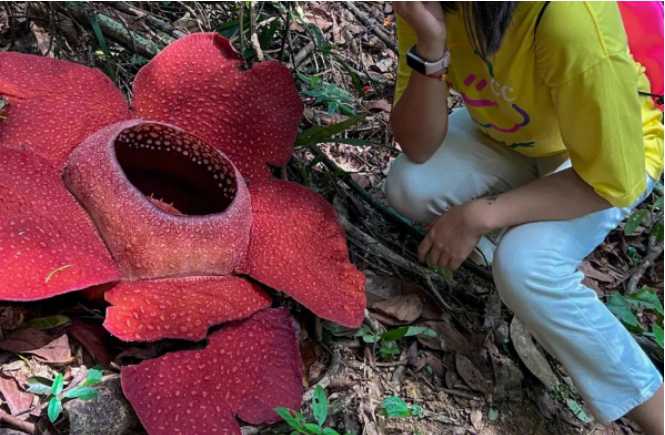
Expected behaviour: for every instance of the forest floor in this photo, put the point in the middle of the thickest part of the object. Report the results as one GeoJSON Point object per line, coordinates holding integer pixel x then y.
{"type": "Point", "coordinates": [479, 372]}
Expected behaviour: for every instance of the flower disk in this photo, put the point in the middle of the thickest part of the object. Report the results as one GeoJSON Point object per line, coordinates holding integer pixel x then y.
{"type": "Point", "coordinates": [166, 203]}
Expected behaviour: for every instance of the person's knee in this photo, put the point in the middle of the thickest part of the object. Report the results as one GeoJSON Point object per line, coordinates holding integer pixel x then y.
{"type": "Point", "coordinates": [404, 188]}
{"type": "Point", "coordinates": [521, 273]}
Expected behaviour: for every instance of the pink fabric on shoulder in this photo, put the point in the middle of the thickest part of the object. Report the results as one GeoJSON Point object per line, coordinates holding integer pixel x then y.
{"type": "Point", "coordinates": [643, 22]}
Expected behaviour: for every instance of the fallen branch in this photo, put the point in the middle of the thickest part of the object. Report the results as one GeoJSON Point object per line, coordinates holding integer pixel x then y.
{"type": "Point", "coordinates": [655, 250]}
{"type": "Point", "coordinates": [433, 279]}
{"type": "Point", "coordinates": [17, 423]}
{"type": "Point", "coordinates": [148, 18]}
{"type": "Point", "coordinates": [116, 31]}
{"type": "Point", "coordinates": [367, 21]}
{"type": "Point", "coordinates": [387, 212]}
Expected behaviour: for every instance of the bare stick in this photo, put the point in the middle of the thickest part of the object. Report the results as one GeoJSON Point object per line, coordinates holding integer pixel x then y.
{"type": "Point", "coordinates": [655, 250]}
{"type": "Point", "coordinates": [378, 31]}
{"type": "Point", "coordinates": [17, 423]}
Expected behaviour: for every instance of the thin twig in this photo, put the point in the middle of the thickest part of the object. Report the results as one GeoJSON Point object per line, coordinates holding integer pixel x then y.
{"type": "Point", "coordinates": [367, 21]}
{"type": "Point", "coordinates": [655, 250]}
{"type": "Point", "coordinates": [116, 31]}
{"type": "Point", "coordinates": [387, 212]}
{"type": "Point", "coordinates": [148, 18]}
{"type": "Point", "coordinates": [17, 423]}
{"type": "Point", "coordinates": [254, 38]}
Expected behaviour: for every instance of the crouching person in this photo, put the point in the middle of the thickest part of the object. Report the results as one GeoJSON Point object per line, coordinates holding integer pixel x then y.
{"type": "Point", "coordinates": [553, 149]}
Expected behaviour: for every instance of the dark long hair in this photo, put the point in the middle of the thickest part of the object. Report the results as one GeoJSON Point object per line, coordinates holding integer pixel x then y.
{"type": "Point", "coordinates": [485, 22]}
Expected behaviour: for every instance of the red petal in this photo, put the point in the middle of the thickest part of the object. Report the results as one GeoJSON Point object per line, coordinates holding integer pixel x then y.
{"type": "Point", "coordinates": [298, 247]}
{"type": "Point", "coordinates": [48, 246]}
{"type": "Point", "coordinates": [247, 370]}
{"type": "Point", "coordinates": [166, 203]}
{"type": "Point", "coordinates": [54, 105]}
{"type": "Point", "coordinates": [179, 308]}
{"type": "Point", "coordinates": [197, 84]}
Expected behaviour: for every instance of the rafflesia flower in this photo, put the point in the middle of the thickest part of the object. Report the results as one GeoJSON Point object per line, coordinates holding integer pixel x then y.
{"type": "Point", "coordinates": [172, 202]}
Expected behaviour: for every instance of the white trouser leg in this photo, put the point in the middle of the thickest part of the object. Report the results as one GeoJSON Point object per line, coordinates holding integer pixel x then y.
{"type": "Point", "coordinates": [535, 270]}
{"type": "Point", "coordinates": [468, 165]}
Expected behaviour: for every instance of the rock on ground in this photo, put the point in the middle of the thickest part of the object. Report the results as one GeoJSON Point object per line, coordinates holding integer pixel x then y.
{"type": "Point", "coordinates": [108, 414]}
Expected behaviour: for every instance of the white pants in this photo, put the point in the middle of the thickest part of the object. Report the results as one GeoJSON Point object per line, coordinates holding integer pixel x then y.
{"type": "Point", "coordinates": [535, 265]}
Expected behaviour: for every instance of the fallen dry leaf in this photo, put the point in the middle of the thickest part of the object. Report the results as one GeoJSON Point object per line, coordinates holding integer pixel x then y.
{"type": "Point", "coordinates": [399, 310]}
{"type": "Point", "coordinates": [530, 355]}
{"type": "Point", "coordinates": [17, 400]}
{"type": "Point", "coordinates": [23, 340]}
{"type": "Point", "coordinates": [507, 375]}
{"type": "Point", "coordinates": [57, 351]}
{"type": "Point", "coordinates": [588, 270]}
{"type": "Point", "coordinates": [93, 338]}
{"type": "Point", "coordinates": [471, 375]}
{"type": "Point", "coordinates": [448, 338]}
{"type": "Point", "coordinates": [380, 287]}
{"type": "Point", "coordinates": [476, 418]}
{"type": "Point", "coordinates": [381, 105]}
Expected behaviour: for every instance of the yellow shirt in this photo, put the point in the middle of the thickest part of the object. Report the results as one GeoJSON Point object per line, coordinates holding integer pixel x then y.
{"type": "Point", "coordinates": [570, 88]}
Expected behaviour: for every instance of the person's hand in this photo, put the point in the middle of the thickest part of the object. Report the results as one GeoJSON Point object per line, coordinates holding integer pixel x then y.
{"type": "Point", "coordinates": [427, 20]}
{"type": "Point", "coordinates": [453, 236]}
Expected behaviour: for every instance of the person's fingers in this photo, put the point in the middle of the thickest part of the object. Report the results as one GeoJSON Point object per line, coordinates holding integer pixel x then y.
{"type": "Point", "coordinates": [424, 247]}
{"type": "Point", "coordinates": [455, 263]}
{"type": "Point", "coordinates": [433, 256]}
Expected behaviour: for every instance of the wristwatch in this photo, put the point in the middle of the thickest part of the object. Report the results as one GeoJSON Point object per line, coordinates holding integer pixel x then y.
{"type": "Point", "coordinates": [434, 69]}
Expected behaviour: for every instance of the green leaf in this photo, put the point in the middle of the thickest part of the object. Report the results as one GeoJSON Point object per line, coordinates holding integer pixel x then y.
{"type": "Point", "coordinates": [445, 273]}
{"type": "Point", "coordinates": [83, 393]}
{"type": "Point", "coordinates": [319, 134]}
{"type": "Point", "coordinates": [312, 428]}
{"type": "Point", "coordinates": [658, 203]}
{"type": "Point", "coordinates": [54, 409]}
{"type": "Point", "coordinates": [329, 431]}
{"type": "Point", "coordinates": [288, 416]}
{"type": "Point", "coordinates": [268, 33]}
{"type": "Point", "coordinates": [657, 332]}
{"type": "Point", "coordinates": [657, 231]}
{"type": "Point", "coordinates": [367, 335]}
{"type": "Point", "coordinates": [39, 388]}
{"type": "Point", "coordinates": [577, 409]}
{"type": "Point", "coordinates": [388, 349]}
{"type": "Point", "coordinates": [635, 220]}
{"type": "Point", "coordinates": [618, 305]}
{"type": "Point", "coordinates": [49, 322]}
{"type": "Point", "coordinates": [320, 405]}
{"type": "Point", "coordinates": [416, 410]}
{"type": "Point", "coordinates": [394, 406]}
{"type": "Point", "coordinates": [93, 377]}
{"type": "Point", "coordinates": [407, 331]}
{"type": "Point", "coordinates": [58, 384]}
{"type": "Point", "coordinates": [647, 298]}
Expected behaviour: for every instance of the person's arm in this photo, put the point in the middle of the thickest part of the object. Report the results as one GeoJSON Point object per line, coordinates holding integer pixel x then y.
{"type": "Point", "coordinates": [563, 195]}
{"type": "Point", "coordinates": [419, 120]}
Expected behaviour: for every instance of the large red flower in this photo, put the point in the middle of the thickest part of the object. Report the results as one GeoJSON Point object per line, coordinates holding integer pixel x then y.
{"type": "Point", "coordinates": [175, 199]}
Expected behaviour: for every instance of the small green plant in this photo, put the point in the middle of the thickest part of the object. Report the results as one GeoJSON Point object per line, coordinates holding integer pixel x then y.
{"type": "Point", "coordinates": [298, 422]}
{"type": "Point", "coordinates": [336, 99]}
{"type": "Point", "coordinates": [646, 298]}
{"type": "Point", "coordinates": [55, 392]}
{"type": "Point", "coordinates": [387, 341]}
{"type": "Point", "coordinates": [650, 216]}
{"type": "Point", "coordinates": [394, 406]}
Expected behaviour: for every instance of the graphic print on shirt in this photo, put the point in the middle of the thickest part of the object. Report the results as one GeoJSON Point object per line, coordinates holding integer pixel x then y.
{"type": "Point", "coordinates": [502, 92]}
